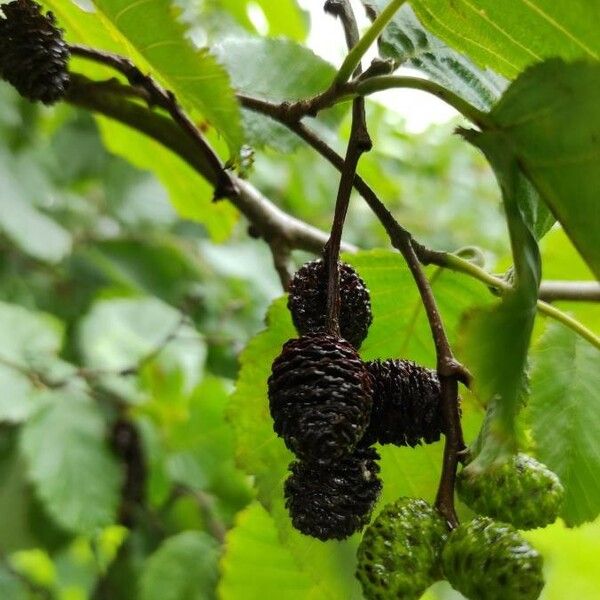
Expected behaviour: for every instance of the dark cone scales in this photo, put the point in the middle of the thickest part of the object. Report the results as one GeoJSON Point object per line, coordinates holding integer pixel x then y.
{"type": "Point", "coordinates": [33, 54]}
{"type": "Point", "coordinates": [334, 502]}
{"type": "Point", "coordinates": [406, 404]}
{"type": "Point", "coordinates": [320, 397]}
{"type": "Point", "coordinates": [308, 301]}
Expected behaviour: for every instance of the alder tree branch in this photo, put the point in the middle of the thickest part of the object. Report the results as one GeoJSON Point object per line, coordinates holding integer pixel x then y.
{"type": "Point", "coordinates": [269, 221]}
{"type": "Point", "coordinates": [205, 504]}
{"type": "Point", "coordinates": [394, 229]}
{"type": "Point", "coordinates": [579, 291]}
{"type": "Point", "coordinates": [374, 80]}
{"type": "Point", "coordinates": [165, 99]}
{"type": "Point", "coordinates": [113, 100]}
{"type": "Point", "coordinates": [360, 47]}
{"type": "Point", "coordinates": [501, 287]}
{"type": "Point", "coordinates": [342, 9]}
{"type": "Point", "coordinates": [449, 373]}
{"type": "Point", "coordinates": [155, 95]}
{"type": "Point", "coordinates": [359, 142]}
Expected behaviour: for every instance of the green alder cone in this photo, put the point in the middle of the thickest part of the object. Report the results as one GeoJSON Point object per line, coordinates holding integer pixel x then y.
{"type": "Point", "coordinates": [521, 491]}
{"type": "Point", "coordinates": [486, 560]}
{"type": "Point", "coordinates": [399, 555]}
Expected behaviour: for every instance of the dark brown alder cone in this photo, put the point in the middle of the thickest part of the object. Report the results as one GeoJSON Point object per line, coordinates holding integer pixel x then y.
{"type": "Point", "coordinates": [307, 301]}
{"type": "Point", "coordinates": [320, 396]}
{"type": "Point", "coordinates": [127, 445]}
{"type": "Point", "coordinates": [406, 404]}
{"type": "Point", "coordinates": [33, 54]}
{"type": "Point", "coordinates": [333, 501]}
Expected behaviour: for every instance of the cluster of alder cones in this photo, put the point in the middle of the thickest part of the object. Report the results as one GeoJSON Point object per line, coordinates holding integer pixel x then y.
{"type": "Point", "coordinates": [408, 546]}
{"type": "Point", "coordinates": [33, 54]}
{"type": "Point", "coordinates": [330, 407]}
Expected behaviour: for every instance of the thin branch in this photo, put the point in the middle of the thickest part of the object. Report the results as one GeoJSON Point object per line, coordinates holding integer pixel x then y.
{"type": "Point", "coordinates": [281, 261]}
{"type": "Point", "coordinates": [225, 185]}
{"type": "Point", "coordinates": [269, 221]}
{"type": "Point", "coordinates": [359, 142]}
{"type": "Point", "coordinates": [354, 57]}
{"type": "Point", "coordinates": [371, 82]}
{"type": "Point", "coordinates": [501, 287]}
{"type": "Point", "coordinates": [385, 82]}
{"type": "Point", "coordinates": [205, 503]}
{"type": "Point", "coordinates": [342, 9]}
{"type": "Point", "coordinates": [332, 253]}
{"type": "Point", "coordinates": [577, 291]}
{"type": "Point", "coordinates": [393, 228]}
{"type": "Point", "coordinates": [568, 321]}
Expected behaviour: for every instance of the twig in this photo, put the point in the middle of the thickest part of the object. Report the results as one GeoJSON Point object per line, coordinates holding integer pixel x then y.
{"type": "Point", "coordinates": [225, 184]}
{"type": "Point", "coordinates": [281, 253]}
{"type": "Point", "coordinates": [342, 9]}
{"type": "Point", "coordinates": [365, 86]}
{"type": "Point", "coordinates": [501, 287]}
{"type": "Point", "coordinates": [269, 221]}
{"type": "Point", "coordinates": [578, 291]}
{"type": "Point", "coordinates": [393, 228]}
{"type": "Point", "coordinates": [204, 502]}
{"type": "Point", "coordinates": [359, 49]}
{"type": "Point", "coordinates": [449, 373]}
{"type": "Point", "coordinates": [386, 82]}
{"type": "Point", "coordinates": [359, 142]}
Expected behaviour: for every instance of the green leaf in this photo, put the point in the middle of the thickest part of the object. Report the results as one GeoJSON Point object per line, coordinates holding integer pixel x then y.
{"type": "Point", "coordinates": [183, 568]}
{"type": "Point", "coordinates": [157, 265]}
{"type": "Point", "coordinates": [29, 341]}
{"type": "Point", "coordinates": [283, 17]}
{"type": "Point", "coordinates": [189, 193]}
{"type": "Point", "coordinates": [28, 337]}
{"type": "Point", "coordinates": [261, 68]}
{"type": "Point", "coordinates": [69, 463]}
{"type": "Point", "coordinates": [151, 35]}
{"type": "Point", "coordinates": [400, 327]}
{"type": "Point", "coordinates": [408, 43]}
{"type": "Point", "coordinates": [11, 586]}
{"type": "Point", "coordinates": [198, 444]}
{"type": "Point", "coordinates": [507, 37]}
{"type": "Point", "coordinates": [549, 118]}
{"type": "Point", "coordinates": [499, 375]}
{"type": "Point", "coordinates": [570, 566]}
{"type": "Point", "coordinates": [119, 333]}
{"type": "Point", "coordinates": [17, 398]}
{"type": "Point", "coordinates": [564, 413]}
{"type": "Point", "coordinates": [34, 232]}
{"type": "Point", "coordinates": [256, 565]}
{"type": "Point", "coordinates": [259, 452]}
{"type": "Point", "coordinates": [15, 517]}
